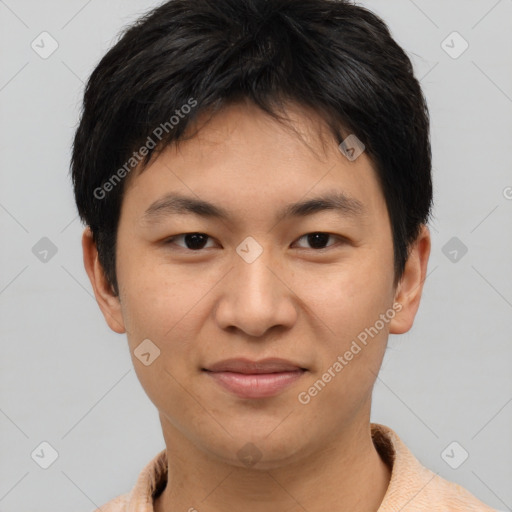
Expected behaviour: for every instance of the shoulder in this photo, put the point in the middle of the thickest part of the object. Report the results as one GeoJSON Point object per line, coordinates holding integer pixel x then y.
{"type": "Point", "coordinates": [151, 480]}
{"type": "Point", "coordinates": [450, 496]}
{"type": "Point", "coordinates": [414, 485]}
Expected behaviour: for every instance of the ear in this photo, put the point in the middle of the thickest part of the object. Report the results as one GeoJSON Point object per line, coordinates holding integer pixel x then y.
{"type": "Point", "coordinates": [410, 287]}
{"type": "Point", "coordinates": [105, 297]}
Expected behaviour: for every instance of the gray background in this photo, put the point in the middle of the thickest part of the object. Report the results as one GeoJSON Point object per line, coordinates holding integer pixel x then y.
{"type": "Point", "coordinates": [68, 380]}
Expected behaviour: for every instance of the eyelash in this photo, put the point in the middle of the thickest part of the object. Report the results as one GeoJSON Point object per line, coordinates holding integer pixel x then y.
{"type": "Point", "coordinates": [341, 239]}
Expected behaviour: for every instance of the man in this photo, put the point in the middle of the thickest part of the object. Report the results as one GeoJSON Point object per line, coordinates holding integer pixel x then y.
{"type": "Point", "coordinates": [255, 177]}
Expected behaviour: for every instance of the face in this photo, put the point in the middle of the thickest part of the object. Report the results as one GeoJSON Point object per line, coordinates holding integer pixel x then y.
{"type": "Point", "coordinates": [312, 287]}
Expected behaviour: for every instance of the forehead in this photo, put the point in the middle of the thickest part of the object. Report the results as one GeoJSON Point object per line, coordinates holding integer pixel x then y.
{"type": "Point", "coordinates": [242, 158]}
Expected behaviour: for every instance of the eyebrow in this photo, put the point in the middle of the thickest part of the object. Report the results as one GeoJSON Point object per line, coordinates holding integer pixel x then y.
{"type": "Point", "coordinates": [177, 204]}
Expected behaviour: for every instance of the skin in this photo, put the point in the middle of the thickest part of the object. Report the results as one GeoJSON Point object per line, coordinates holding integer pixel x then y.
{"type": "Point", "coordinates": [294, 301]}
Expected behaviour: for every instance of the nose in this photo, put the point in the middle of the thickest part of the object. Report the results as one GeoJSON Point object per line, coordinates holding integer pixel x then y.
{"type": "Point", "coordinates": [256, 297]}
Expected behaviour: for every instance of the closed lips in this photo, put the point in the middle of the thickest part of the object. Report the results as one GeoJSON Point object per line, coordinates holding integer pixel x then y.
{"type": "Point", "coordinates": [247, 366]}
{"type": "Point", "coordinates": [248, 379]}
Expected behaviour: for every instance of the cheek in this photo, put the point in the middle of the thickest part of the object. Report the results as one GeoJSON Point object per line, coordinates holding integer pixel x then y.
{"type": "Point", "coordinates": [153, 297]}
{"type": "Point", "coordinates": [347, 303]}
{"type": "Point", "coordinates": [164, 310]}
{"type": "Point", "coordinates": [351, 339]}
{"type": "Point", "coordinates": [347, 297]}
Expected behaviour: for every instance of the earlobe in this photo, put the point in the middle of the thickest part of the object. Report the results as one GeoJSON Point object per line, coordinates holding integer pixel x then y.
{"type": "Point", "coordinates": [105, 297]}
{"type": "Point", "coordinates": [410, 287]}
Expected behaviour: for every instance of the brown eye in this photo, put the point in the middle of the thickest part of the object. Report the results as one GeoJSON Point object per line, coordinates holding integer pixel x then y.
{"type": "Point", "coordinates": [193, 241]}
{"type": "Point", "coordinates": [317, 240]}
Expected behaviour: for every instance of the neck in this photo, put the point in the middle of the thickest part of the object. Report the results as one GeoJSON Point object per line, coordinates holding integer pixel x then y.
{"type": "Point", "coordinates": [347, 475]}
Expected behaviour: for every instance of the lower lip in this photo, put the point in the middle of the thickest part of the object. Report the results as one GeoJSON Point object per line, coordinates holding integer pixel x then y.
{"type": "Point", "coordinates": [255, 385]}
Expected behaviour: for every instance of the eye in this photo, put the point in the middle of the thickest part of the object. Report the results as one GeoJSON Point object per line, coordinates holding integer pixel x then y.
{"type": "Point", "coordinates": [318, 239]}
{"type": "Point", "coordinates": [197, 241]}
{"type": "Point", "coordinates": [193, 241]}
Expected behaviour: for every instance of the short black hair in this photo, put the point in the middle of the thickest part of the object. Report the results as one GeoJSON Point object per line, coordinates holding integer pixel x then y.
{"type": "Point", "coordinates": [186, 57]}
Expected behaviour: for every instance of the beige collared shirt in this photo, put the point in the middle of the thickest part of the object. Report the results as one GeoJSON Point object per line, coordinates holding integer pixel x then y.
{"type": "Point", "coordinates": [412, 488]}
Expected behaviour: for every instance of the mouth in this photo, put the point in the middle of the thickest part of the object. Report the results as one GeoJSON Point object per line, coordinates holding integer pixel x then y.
{"type": "Point", "coordinates": [255, 379]}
